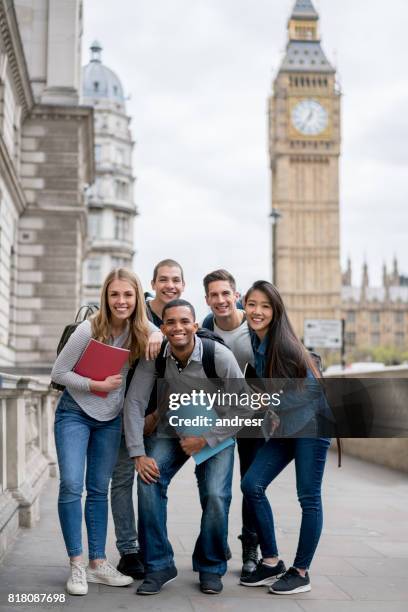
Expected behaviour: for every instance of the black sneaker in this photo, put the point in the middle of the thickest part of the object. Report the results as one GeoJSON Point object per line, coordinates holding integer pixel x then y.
{"type": "Point", "coordinates": [131, 565]}
{"type": "Point", "coordinates": [264, 574]}
{"type": "Point", "coordinates": [155, 581]}
{"type": "Point", "coordinates": [210, 584]}
{"type": "Point", "coordinates": [291, 582]}
{"type": "Point", "coordinates": [249, 553]}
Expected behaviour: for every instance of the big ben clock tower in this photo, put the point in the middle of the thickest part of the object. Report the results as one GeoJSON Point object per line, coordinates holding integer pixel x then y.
{"type": "Point", "coordinates": [304, 146]}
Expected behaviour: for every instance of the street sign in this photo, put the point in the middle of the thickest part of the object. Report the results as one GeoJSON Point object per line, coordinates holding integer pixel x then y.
{"type": "Point", "coordinates": [322, 333]}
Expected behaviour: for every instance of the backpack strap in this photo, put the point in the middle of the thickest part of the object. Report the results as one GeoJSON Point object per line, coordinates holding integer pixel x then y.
{"type": "Point", "coordinates": [161, 360]}
{"type": "Point", "coordinates": [339, 451]}
{"type": "Point", "coordinates": [89, 309]}
{"type": "Point", "coordinates": [208, 322]}
{"type": "Point", "coordinates": [130, 375]}
{"type": "Point", "coordinates": [209, 357]}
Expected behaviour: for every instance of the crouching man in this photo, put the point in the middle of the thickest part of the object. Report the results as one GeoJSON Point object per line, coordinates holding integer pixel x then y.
{"type": "Point", "coordinates": [158, 459]}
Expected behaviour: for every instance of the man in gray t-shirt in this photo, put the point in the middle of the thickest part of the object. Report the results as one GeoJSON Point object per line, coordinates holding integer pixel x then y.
{"type": "Point", "coordinates": [229, 322]}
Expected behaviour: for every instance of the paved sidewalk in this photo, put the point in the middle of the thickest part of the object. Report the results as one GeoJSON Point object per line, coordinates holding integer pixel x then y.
{"type": "Point", "coordinates": [361, 564]}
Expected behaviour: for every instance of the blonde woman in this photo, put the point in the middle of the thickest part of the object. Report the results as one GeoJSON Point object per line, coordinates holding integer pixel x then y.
{"type": "Point", "coordinates": [88, 427]}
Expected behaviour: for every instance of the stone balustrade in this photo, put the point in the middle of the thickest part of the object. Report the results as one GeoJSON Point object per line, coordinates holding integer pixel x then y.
{"type": "Point", "coordinates": [390, 452]}
{"type": "Point", "coordinates": [27, 451]}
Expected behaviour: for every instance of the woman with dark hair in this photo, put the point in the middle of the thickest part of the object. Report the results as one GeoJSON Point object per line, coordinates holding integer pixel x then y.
{"type": "Point", "coordinates": [279, 354]}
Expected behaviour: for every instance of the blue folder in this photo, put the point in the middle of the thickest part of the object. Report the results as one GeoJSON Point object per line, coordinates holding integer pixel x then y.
{"type": "Point", "coordinates": [189, 412]}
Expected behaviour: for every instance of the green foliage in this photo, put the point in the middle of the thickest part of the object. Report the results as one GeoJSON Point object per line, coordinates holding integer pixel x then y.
{"type": "Point", "coordinates": [387, 354]}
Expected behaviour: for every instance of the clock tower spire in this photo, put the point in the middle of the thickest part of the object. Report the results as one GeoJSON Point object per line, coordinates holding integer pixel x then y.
{"type": "Point", "coordinates": [303, 23]}
{"type": "Point", "coordinates": [304, 147]}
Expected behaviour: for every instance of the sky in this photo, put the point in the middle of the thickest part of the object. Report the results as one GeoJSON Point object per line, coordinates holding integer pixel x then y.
{"type": "Point", "coordinates": [198, 74]}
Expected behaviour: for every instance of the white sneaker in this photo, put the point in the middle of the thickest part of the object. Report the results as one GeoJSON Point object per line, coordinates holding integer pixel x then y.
{"type": "Point", "coordinates": [105, 573]}
{"type": "Point", "coordinates": [76, 583]}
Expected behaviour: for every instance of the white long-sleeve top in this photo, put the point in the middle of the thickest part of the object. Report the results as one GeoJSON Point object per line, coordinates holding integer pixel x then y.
{"type": "Point", "coordinates": [100, 408]}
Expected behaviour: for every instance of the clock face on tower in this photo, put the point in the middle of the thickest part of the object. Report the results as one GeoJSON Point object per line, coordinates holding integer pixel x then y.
{"type": "Point", "coordinates": [309, 117]}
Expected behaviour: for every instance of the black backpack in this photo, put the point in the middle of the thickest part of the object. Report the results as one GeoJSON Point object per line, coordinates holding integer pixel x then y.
{"type": "Point", "coordinates": [83, 313]}
{"type": "Point", "coordinates": [207, 337]}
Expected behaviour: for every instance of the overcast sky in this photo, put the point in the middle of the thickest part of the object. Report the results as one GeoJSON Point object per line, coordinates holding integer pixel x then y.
{"type": "Point", "coordinates": [199, 73]}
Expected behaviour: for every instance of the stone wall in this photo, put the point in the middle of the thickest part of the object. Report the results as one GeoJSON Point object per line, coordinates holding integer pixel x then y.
{"type": "Point", "coordinates": [56, 149]}
{"type": "Point", "coordinates": [27, 452]}
{"type": "Point", "coordinates": [389, 452]}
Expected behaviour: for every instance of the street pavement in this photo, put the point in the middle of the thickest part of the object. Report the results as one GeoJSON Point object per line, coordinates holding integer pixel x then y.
{"type": "Point", "coordinates": [361, 564]}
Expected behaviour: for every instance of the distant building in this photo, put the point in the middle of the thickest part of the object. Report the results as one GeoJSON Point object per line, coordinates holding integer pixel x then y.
{"type": "Point", "coordinates": [111, 209]}
{"type": "Point", "coordinates": [46, 159]}
{"type": "Point", "coordinates": [375, 316]}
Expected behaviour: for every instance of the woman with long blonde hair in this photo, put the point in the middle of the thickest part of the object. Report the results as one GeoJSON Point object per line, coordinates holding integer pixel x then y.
{"type": "Point", "coordinates": [88, 426]}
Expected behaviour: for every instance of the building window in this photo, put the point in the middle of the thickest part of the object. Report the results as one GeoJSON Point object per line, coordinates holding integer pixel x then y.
{"type": "Point", "coordinates": [351, 316]}
{"type": "Point", "coordinates": [120, 157]}
{"type": "Point", "coordinates": [121, 227]}
{"type": "Point", "coordinates": [375, 339]}
{"type": "Point", "coordinates": [93, 271]}
{"type": "Point", "coordinates": [350, 338]}
{"type": "Point", "coordinates": [121, 190]}
{"type": "Point", "coordinates": [399, 317]}
{"type": "Point", "coordinates": [94, 225]}
{"type": "Point", "coordinates": [375, 316]}
{"type": "Point", "coordinates": [399, 339]}
{"type": "Point", "coordinates": [119, 262]}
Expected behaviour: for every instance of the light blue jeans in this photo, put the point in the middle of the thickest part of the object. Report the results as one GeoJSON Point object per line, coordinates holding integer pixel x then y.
{"type": "Point", "coordinates": [81, 440]}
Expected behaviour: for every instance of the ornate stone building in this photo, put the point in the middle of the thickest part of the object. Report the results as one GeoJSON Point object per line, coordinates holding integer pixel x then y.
{"type": "Point", "coordinates": [46, 159]}
{"type": "Point", "coordinates": [375, 316]}
{"type": "Point", "coordinates": [111, 209]}
{"type": "Point", "coordinates": [304, 146]}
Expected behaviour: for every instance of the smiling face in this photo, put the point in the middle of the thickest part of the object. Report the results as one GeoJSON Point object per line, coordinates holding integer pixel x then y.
{"type": "Point", "coordinates": [221, 298]}
{"type": "Point", "coordinates": [169, 284]}
{"type": "Point", "coordinates": [259, 312]}
{"type": "Point", "coordinates": [179, 327]}
{"type": "Point", "coordinates": [121, 301]}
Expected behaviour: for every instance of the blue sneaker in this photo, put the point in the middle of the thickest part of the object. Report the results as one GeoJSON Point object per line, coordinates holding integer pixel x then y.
{"type": "Point", "coordinates": [155, 581]}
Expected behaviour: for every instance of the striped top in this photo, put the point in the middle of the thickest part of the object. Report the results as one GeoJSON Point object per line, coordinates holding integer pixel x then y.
{"type": "Point", "coordinates": [100, 408]}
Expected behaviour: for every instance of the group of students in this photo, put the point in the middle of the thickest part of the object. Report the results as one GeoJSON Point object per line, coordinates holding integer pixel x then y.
{"type": "Point", "coordinates": [106, 439]}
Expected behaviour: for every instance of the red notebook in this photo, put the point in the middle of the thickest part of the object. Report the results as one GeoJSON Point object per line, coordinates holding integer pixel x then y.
{"type": "Point", "coordinates": [99, 360]}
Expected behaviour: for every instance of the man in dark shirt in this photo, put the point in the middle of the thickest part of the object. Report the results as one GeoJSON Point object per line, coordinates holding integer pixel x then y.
{"type": "Point", "coordinates": [168, 284]}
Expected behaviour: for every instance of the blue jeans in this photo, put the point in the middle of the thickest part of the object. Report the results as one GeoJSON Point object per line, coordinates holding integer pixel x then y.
{"type": "Point", "coordinates": [122, 502]}
{"type": "Point", "coordinates": [79, 438]}
{"type": "Point", "coordinates": [214, 478]}
{"type": "Point", "coordinates": [310, 458]}
{"type": "Point", "coordinates": [247, 449]}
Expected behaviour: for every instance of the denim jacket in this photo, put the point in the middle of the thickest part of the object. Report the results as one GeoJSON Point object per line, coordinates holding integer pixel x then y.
{"type": "Point", "coordinates": [303, 408]}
